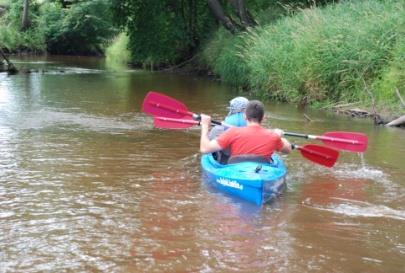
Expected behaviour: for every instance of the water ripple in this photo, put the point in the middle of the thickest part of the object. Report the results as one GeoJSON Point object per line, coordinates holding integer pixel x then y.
{"type": "Point", "coordinates": [355, 208]}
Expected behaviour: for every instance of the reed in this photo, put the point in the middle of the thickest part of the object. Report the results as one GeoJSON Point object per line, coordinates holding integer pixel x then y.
{"type": "Point", "coordinates": [221, 54]}
{"type": "Point", "coordinates": [320, 54]}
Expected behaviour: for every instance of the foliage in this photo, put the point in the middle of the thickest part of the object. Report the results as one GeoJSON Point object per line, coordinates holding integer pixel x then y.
{"type": "Point", "coordinates": [320, 53]}
{"type": "Point", "coordinates": [221, 54]}
{"type": "Point", "coordinates": [163, 31]}
{"type": "Point", "coordinates": [81, 29]}
{"type": "Point", "coordinates": [12, 38]}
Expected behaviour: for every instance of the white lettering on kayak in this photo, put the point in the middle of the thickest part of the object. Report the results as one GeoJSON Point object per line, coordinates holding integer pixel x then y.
{"type": "Point", "coordinates": [230, 183]}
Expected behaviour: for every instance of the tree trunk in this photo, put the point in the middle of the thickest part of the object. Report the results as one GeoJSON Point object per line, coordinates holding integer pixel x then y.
{"type": "Point", "coordinates": [243, 14]}
{"type": "Point", "coordinates": [25, 23]}
{"type": "Point", "coordinates": [10, 67]}
{"type": "Point", "coordinates": [397, 122]}
{"type": "Point", "coordinates": [219, 14]}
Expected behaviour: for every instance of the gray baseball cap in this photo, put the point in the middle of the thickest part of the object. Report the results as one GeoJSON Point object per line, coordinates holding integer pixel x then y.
{"type": "Point", "coordinates": [237, 105]}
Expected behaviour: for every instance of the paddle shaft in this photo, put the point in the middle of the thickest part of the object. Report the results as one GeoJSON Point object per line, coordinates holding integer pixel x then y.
{"type": "Point", "coordinates": [198, 117]}
{"type": "Point", "coordinates": [325, 138]}
{"type": "Point", "coordinates": [165, 122]}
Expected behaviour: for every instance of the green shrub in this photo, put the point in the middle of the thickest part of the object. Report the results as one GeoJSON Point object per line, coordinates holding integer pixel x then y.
{"type": "Point", "coordinates": [81, 29]}
{"type": "Point", "coordinates": [163, 32]}
{"type": "Point", "coordinates": [117, 54]}
{"type": "Point", "coordinates": [11, 36]}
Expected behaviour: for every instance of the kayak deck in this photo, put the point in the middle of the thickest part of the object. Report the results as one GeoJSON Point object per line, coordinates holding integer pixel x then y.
{"type": "Point", "coordinates": [255, 182]}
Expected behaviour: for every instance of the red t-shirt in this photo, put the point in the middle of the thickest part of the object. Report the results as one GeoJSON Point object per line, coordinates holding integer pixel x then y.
{"type": "Point", "coordinates": [250, 140]}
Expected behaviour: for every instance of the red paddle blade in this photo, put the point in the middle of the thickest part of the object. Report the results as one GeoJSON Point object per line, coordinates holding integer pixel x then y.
{"type": "Point", "coordinates": [319, 154]}
{"type": "Point", "coordinates": [173, 123]}
{"type": "Point", "coordinates": [157, 104]}
{"type": "Point", "coordinates": [347, 141]}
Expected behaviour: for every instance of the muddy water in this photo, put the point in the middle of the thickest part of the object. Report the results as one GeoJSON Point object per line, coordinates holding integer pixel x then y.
{"type": "Point", "coordinates": [87, 184]}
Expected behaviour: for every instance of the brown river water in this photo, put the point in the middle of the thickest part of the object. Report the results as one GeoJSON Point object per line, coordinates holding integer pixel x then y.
{"type": "Point", "coordinates": [88, 185]}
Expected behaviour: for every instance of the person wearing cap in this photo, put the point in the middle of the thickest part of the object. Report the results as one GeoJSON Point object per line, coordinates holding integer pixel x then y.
{"type": "Point", "coordinates": [250, 141]}
{"type": "Point", "coordinates": [235, 117]}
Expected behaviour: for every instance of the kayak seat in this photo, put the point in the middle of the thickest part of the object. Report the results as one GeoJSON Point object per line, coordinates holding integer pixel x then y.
{"type": "Point", "coordinates": [248, 158]}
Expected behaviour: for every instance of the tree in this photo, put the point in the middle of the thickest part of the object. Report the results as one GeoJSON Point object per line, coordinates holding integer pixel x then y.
{"type": "Point", "coordinates": [163, 32]}
{"type": "Point", "coordinates": [82, 28]}
{"type": "Point", "coordinates": [25, 22]}
{"type": "Point", "coordinates": [170, 31]}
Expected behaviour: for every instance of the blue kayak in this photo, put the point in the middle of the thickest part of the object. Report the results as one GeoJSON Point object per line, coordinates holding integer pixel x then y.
{"type": "Point", "coordinates": [255, 182]}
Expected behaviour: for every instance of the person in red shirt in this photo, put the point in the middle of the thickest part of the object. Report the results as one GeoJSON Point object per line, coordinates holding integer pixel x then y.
{"type": "Point", "coordinates": [252, 140]}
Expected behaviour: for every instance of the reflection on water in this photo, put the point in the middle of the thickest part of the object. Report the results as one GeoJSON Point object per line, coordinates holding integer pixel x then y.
{"type": "Point", "coordinates": [87, 185]}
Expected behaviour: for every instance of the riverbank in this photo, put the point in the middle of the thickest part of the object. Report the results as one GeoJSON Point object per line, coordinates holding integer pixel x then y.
{"type": "Point", "coordinates": [348, 53]}
{"type": "Point", "coordinates": [380, 114]}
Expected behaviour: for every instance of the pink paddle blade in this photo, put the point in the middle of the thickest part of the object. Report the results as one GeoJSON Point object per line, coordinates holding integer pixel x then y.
{"type": "Point", "coordinates": [347, 141]}
{"type": "Point", "coordinates": [157, 104]}
{"type": "Point", "coordinates": [172, 123]}
{"type": "Point", "coordinates": [319, 154]}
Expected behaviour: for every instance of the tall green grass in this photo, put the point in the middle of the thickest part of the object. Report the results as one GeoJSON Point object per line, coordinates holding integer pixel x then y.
{"type": "Point", "coordinates": [392, 79]}
{"type": "Point", "coordinates": [222, 56]}
{"type": "Point", "coordinates": [336, 53]}
{"type": "Point", "coordinates": [117, 54]}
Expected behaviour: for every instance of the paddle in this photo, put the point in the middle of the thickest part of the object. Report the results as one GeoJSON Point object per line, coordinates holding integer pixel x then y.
{"type": "Point", "coordinates": [347, 141]}
{"type": "Point", "coordinates": [160, 105]}
{"type": "Point", "coordinates": [319, 154]}
{"type": "Point", "coordinates": [157, 104]}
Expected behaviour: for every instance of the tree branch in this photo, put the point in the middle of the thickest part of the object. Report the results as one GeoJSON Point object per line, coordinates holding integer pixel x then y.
{"type": "Point", "coordinates": [399, 96]}
{"type": "Point", "coordinates": [397, 122]}
{"type": "Point", "coordinates": [10, 66]}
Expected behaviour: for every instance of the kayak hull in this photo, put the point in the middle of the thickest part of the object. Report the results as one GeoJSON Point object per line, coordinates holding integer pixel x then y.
{"type": "Point", "coordinates": [258, 183]}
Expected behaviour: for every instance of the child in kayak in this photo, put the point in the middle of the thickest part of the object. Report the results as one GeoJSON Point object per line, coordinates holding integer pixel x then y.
{"type": "Point", "coordinates": [252, 140]}
{"type": "Point", "coordinates": [235, 117]}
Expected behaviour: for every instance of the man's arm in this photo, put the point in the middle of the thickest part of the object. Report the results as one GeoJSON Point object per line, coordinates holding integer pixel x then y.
{"type": "Point", "coordinates": [286, 149]}
{"type": "Point", "coordinates": [207, 146]}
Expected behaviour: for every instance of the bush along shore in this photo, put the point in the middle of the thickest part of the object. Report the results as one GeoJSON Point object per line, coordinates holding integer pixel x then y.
{"type": "Point", "coordinates": [348, 57]}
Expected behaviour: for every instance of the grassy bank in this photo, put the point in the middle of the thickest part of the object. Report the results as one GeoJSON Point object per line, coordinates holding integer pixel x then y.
{"type": "Point", "coordinates": [348, 52]}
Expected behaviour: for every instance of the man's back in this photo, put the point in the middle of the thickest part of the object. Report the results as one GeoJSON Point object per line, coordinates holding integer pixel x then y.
{"type": "Point", "coordinates": [251, 140]}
